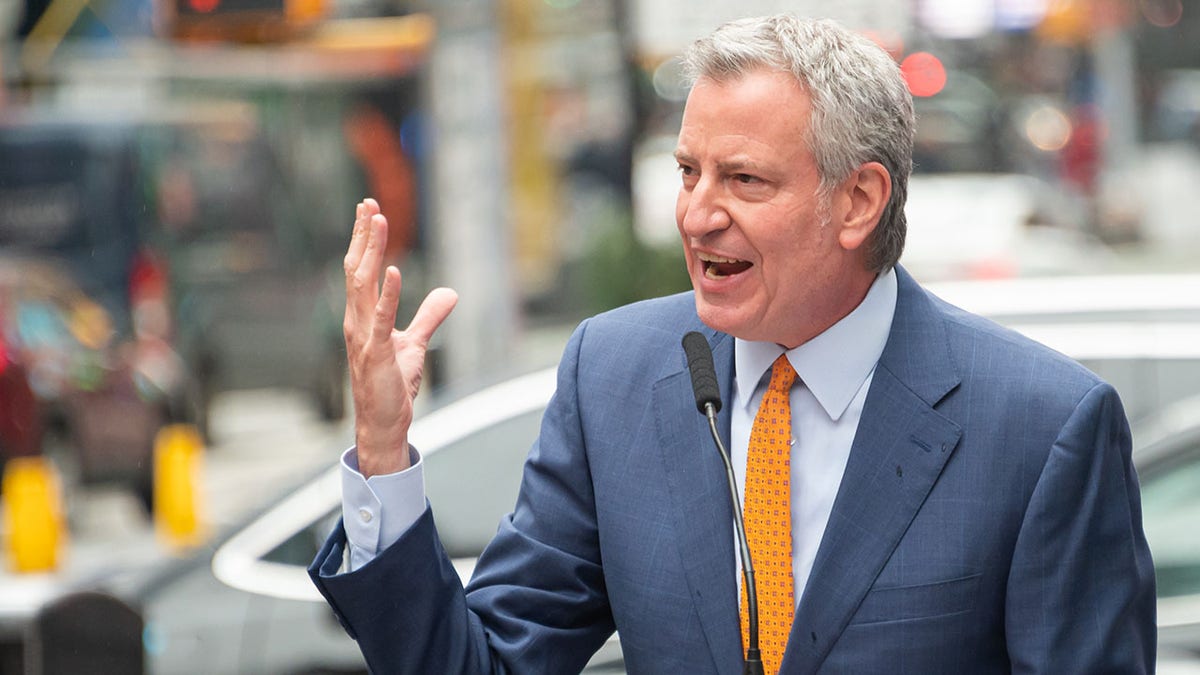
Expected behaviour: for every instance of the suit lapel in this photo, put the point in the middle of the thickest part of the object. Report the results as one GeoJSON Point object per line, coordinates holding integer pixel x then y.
{"type": "Point", "coordinates": [899, 450]}
{"type": "Point", "coordinates": [699, 500]}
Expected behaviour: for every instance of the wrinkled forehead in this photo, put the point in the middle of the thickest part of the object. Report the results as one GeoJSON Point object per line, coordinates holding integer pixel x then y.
{"type": "Point", "coordinates": [760, 97]}
{"type": "Point", "coordinates": [760, 112]}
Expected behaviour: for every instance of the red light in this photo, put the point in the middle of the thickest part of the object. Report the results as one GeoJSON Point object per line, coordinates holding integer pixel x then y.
{"type": "Point", "coordinates": [203, 6]}
{"type": "Point", "coordinates": [148, 278]}
{"type": "Point", "coordinates": [148, 295]}
{"type": "Point", "coordinates": [924, 73]}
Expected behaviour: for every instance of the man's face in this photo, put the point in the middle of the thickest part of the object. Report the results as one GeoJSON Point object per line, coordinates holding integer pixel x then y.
{"type": "Point", "coordinates": [761, 250]}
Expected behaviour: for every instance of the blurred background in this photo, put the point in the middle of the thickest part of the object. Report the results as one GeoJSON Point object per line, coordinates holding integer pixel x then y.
{"type": "Point", "coordinates": [178, 179]}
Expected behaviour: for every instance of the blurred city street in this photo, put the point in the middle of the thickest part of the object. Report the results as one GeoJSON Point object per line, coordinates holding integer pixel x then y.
{"type": "Point", "coordinates": [177, 189]}
{"type": "Point", "coordinates": [264, 441]}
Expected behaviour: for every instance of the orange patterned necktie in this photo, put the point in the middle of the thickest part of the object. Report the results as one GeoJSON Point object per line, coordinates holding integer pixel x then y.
{"type": "Point", "coordinates": [768, 512]}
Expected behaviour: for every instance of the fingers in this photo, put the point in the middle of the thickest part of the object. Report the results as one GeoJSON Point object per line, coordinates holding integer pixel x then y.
{"type": "Point", "coordinates": [371, 310]}
{"type": "Point", "coordinates": [430, 315]}
{"type": "Point", "coordinates": [372, 259]}
{"type": "Point", "coordinates": [385, 308]}
{"type": "Point", "coordinates": [368, 238]}
{"type": "Point", "coordinates": [362, 264]}
{"type": "Point", "coordinates": [359, 236]}
{"type": "Point", "coordinates": [432, 312]}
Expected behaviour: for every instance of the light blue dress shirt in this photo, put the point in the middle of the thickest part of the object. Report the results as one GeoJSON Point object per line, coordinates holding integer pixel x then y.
{"type": "Point", "coordinates": [834, 369]}
{"type": "Point", "coordinates": [834, 373]}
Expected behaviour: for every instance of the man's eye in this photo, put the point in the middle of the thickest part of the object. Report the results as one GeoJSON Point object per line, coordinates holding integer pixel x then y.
{"type": "Point", "coordinates": [686, 170]}
{"type": "Point", "coordinates": [745, 178]}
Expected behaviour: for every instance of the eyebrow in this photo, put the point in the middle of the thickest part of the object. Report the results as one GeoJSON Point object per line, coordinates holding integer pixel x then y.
{"type": "Point", "coordinates": [735, 165]}
{"type": "Point", "coordinates": [739, 165]}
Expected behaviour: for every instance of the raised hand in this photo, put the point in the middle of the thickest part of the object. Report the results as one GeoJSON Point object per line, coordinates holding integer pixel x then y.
{"type": "Point", "coordinates": [385, 364]}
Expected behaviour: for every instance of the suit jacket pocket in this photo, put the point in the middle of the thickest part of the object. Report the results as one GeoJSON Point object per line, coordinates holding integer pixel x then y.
{"type": "Point", "coordinates": [905, 603]}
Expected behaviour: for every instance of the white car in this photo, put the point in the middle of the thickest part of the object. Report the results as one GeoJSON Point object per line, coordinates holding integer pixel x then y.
{"type": "Point", "coordinates": [994, 225]}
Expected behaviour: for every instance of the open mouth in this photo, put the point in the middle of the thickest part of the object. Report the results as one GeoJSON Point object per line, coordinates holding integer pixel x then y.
{"type": "Point", "coordinates": [717, 267]}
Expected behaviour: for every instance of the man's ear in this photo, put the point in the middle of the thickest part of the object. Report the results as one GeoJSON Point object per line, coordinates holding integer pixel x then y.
{"type": "Point", "coordinates": [860, 202]}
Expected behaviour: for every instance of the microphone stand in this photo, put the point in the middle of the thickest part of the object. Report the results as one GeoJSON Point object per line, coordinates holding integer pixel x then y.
{"type": "Point", "coordinates": [753, 663]}
{"type": "Point", "coordinates": [708, 402]}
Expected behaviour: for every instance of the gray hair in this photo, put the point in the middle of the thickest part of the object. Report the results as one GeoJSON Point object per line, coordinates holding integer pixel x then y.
{"type": "Point", "coordinates": [862, 110]}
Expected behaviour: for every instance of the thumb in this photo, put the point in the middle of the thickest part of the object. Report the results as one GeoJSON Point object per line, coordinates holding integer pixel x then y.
{"type": "Point", "coordinates": [433, 311]}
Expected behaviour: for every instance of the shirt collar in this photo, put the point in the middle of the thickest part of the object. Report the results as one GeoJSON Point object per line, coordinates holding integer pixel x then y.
{"type": "Point", "coordinates": [835, 364]}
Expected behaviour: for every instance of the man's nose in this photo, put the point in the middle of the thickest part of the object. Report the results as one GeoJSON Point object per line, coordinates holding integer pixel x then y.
{"type": "Point", "coordinates": [703, 210]}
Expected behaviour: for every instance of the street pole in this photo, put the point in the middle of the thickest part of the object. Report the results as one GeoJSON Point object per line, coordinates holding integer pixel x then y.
{"type": "Point", "coordinates": [470, 228]}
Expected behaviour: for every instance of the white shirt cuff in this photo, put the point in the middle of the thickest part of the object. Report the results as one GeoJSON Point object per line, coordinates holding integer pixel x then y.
{"type": "Point", "coordinates": [376, 511]}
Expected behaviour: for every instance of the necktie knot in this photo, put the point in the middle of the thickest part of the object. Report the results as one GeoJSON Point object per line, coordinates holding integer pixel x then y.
{"type": "Point", "coordinates": [783, 376]}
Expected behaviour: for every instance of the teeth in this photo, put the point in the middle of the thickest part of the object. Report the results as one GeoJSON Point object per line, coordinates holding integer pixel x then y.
{"type": "Point", "coordinates": [709, 258]}
{"type": "Point", "coordinates": [719, 267]}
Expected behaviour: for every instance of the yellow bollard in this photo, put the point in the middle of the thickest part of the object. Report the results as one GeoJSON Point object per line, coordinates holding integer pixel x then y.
{"type": "Point", "coordinates": [178, 451]}
{"type": "Point", "coordinates": [33, 514]}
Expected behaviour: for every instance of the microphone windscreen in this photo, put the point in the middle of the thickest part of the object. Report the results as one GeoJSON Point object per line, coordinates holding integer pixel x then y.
{"type": "Point", "coordinates": [704, 375]}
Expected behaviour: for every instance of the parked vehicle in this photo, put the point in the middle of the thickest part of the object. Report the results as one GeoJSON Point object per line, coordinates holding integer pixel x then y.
{"type": "Point", "coordinates": [189, 223]}
{"type": "Point", "coordinates": [97, 394]}
{"type": "Point", "coordinates": [258, 280]}
{"type": "Point", "coordinates": [1140, 332]}
{"type": "Point", "coordinates": [994, 226]}
{"type": "Point", "coordinates": [1169, 473]}
{"type": "Point", "coordinates": [87, 303]}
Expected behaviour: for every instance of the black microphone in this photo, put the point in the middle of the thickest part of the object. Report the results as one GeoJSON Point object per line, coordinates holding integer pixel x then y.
{"type": "Point", "coordinates": [704, 374]}
{"type": "Point", "coordinates": [708, 402]}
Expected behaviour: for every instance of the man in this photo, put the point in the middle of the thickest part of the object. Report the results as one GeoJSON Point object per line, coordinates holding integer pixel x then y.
{"type": "Point", "coordinates": [956, 498]}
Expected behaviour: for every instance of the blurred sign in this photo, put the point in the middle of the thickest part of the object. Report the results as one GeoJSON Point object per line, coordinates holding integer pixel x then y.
{"type": "Point", "coordinates": [237, 20]}
{"type": "Point", "coordinates": [191, 8]}
{"type": "Point", "coordinates": [664, 28]}
{"type": "Point", "coordinates": [1075, 22]}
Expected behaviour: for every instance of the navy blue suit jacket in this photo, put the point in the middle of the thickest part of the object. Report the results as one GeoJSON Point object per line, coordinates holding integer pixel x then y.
{"type": "Point", "coordinates": [988, 522]}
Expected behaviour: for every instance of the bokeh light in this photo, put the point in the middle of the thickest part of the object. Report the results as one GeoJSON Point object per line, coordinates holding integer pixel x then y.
{"type": "Point", "coordinates": [1020, 14]}
{"type": "Point", "coordinates": [203, 6]}
{"type": "Point", "coordinates": [924, 72]}
{"type": "Point", "coordinates": [1048, 128]}
{"type": "Point", "coordinates": [1161, 13]}
{"type": "Point", "coordinates": [669, 82]}
{"type": "Point", "coordinates": [957, 19]}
